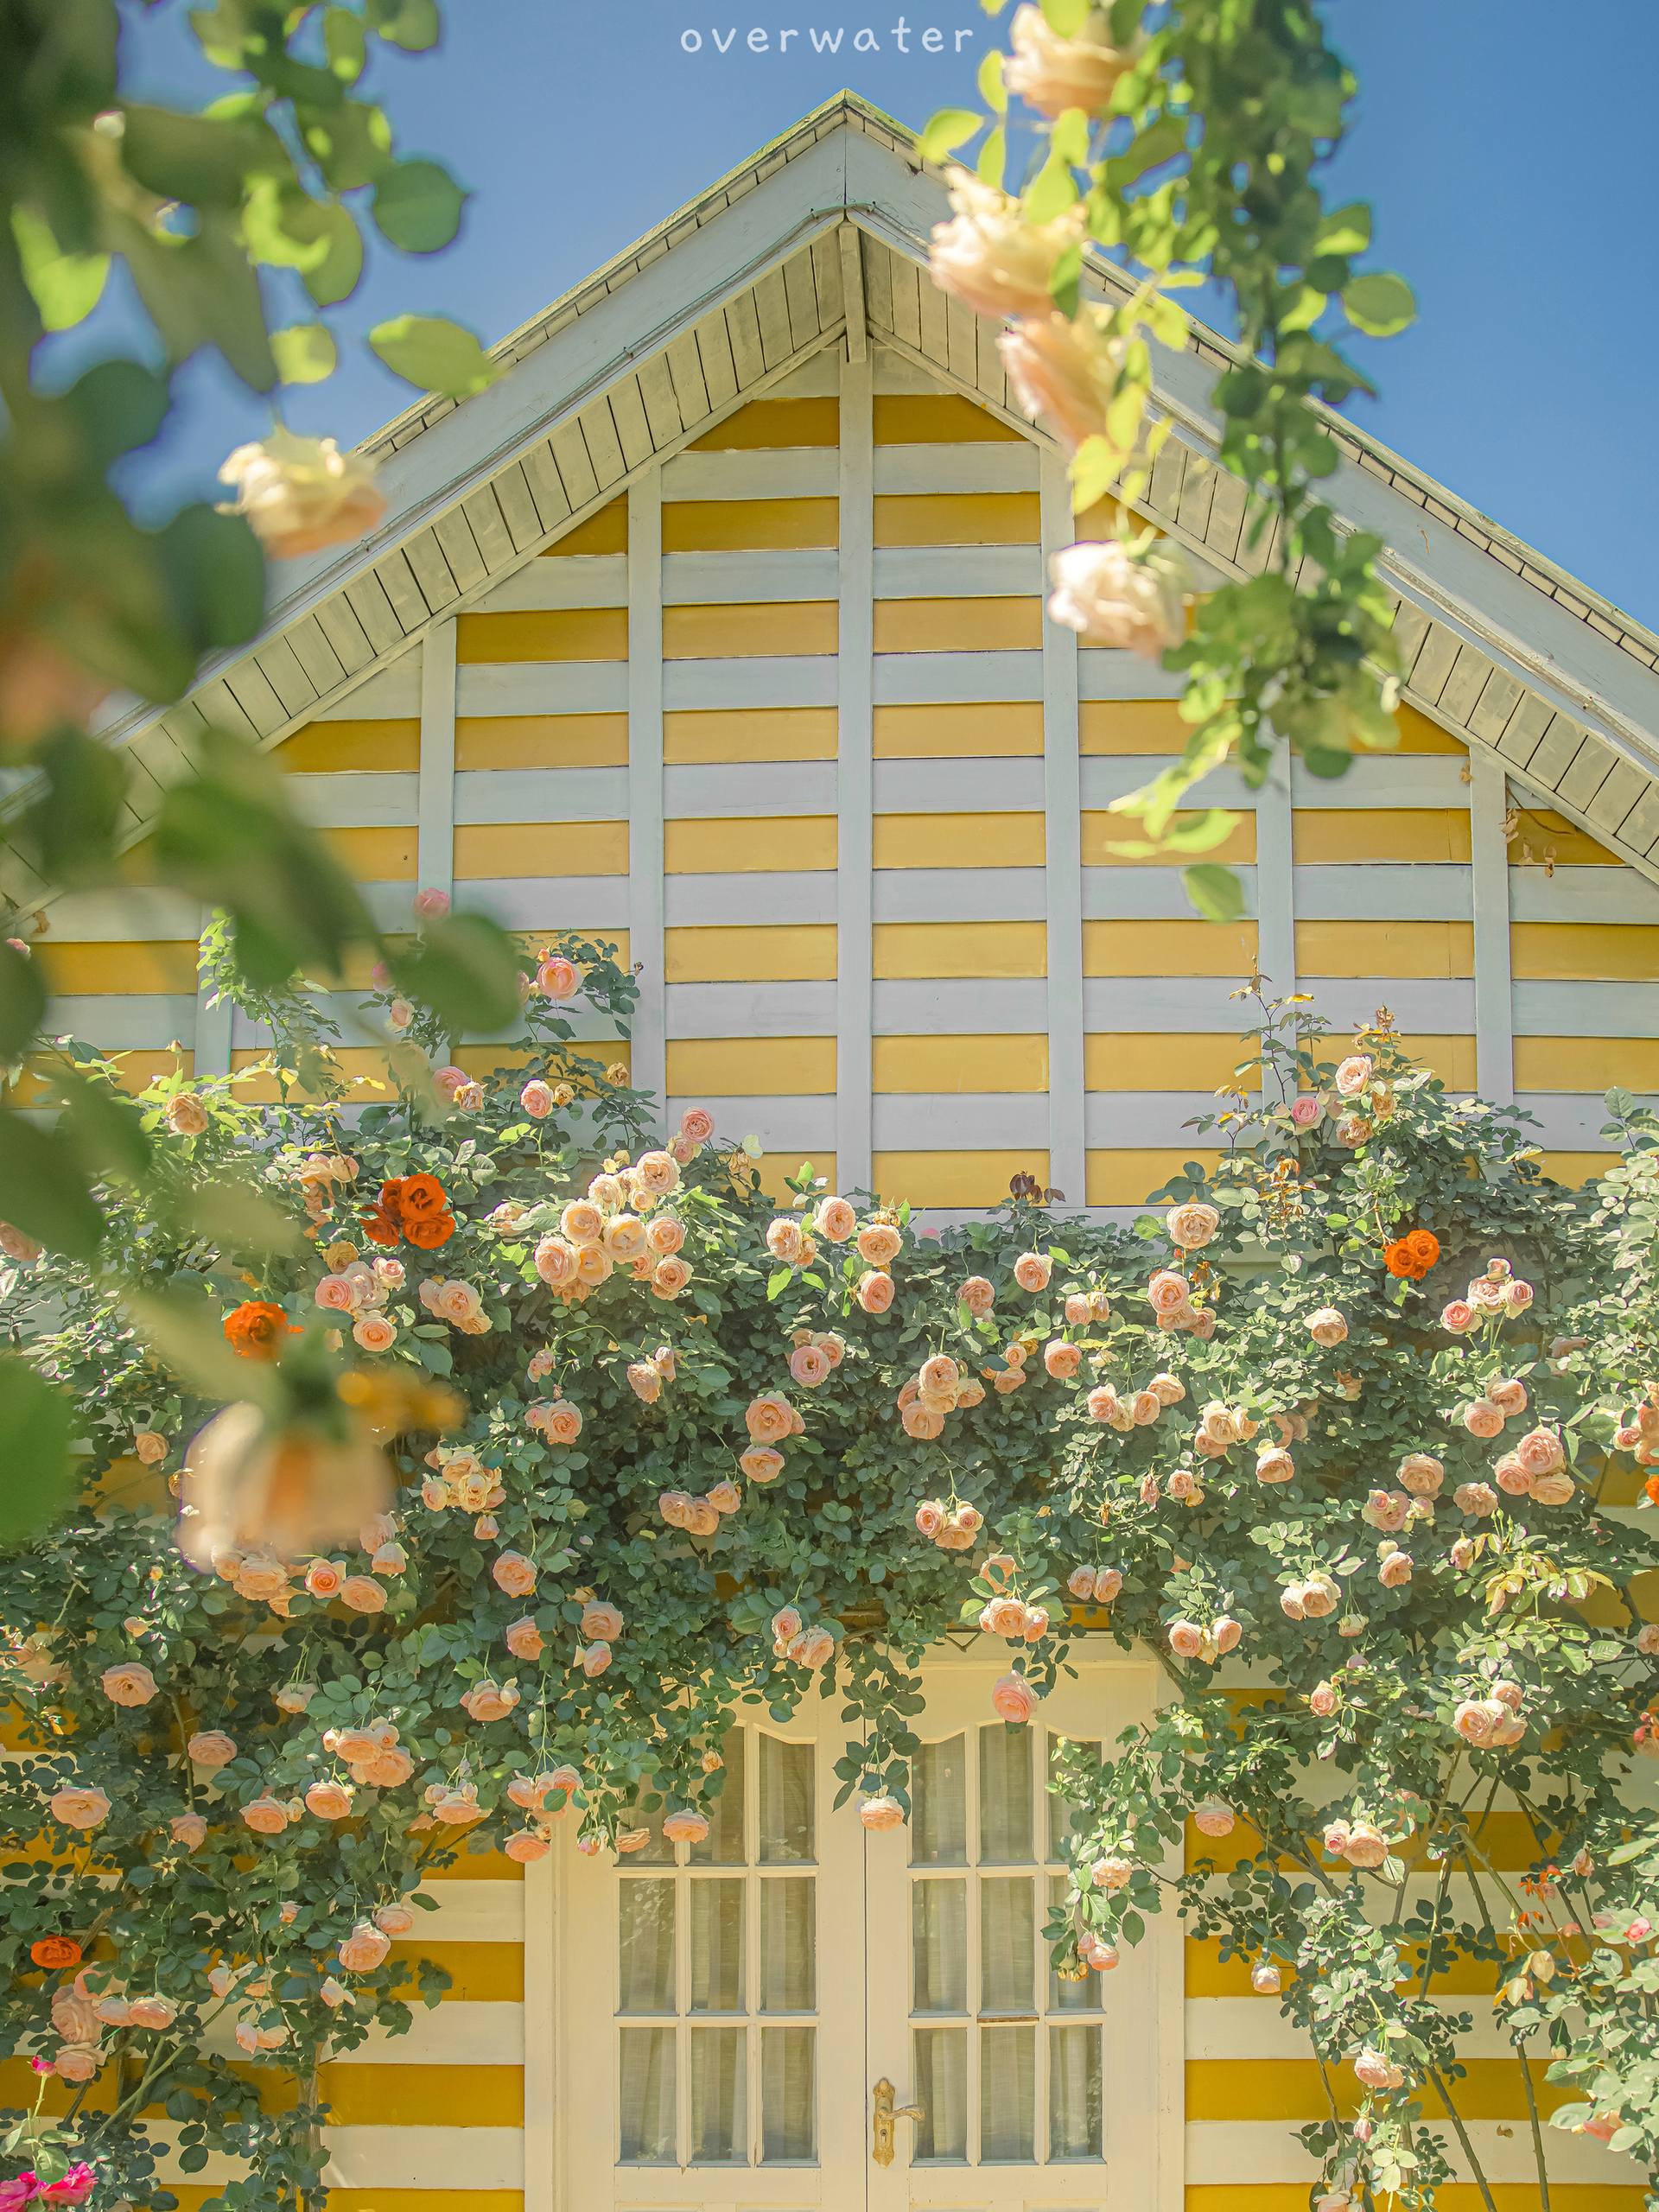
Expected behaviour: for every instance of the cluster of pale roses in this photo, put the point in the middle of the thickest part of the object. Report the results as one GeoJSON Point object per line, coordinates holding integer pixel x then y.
{"type": "Point", "coordinates": [617, 1224]}
{"type": "Point", "coordinates": [938, 1388]}
{"type": "Point", "coordinates": [791, 1639]}
{"type": "Point", "coordinates": [81, 2012]}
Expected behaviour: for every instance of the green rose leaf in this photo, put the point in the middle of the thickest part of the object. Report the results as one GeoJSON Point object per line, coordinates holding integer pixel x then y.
{"type": "Point", "coordinates": [305, 351]}
{"type": "Point", "coordinates": [43, 1189]}
{"type": "Point", "coordinates": [1381, 304]}
{"type": "Point", "coordinates": [950, 128]}
{"type": "Point", "coordinates": [434, 355]}
{"type": "Point", "coordinates": [65, 287]}
{"type": "Point", "coordinates": [465, 969]}
{"type": "Point", "coordinates": [38, 1423]}
{"type": "Point", "coordinates": [417, 206]}
{"type": "Point", "coordinates": [1215, 892]}
{"type": "Point", "coordinates": [412, 24]}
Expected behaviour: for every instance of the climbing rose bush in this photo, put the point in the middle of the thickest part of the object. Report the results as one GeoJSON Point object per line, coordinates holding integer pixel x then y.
{"type": "Point", "coordinates": [551, 1438]}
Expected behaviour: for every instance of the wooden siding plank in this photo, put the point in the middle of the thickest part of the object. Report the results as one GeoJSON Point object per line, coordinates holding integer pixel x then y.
{"type": "Point", "coordinates": [460, 549]}
{"type": "Point", "coordinates": [546, 485]}
{"type": "Point", "coordinates": [309, 641]}
{"type": "Point", "coordinates": [801, 298]}
{"type": "Point", "coordinates": [685, 372]}
{"type": "Point", "coordinates": [657, 390]}
{"type": "Point", "coordinates": [632, 430]}
{"type": "Point", "coordinates": [575, 470]}
{"type": "Point", "coordinates": [743, 328]}
{"type": "Point", "coordinates": [518, 509]}
{"type": "Point", "coordinates": [482, 510]}
{"type": "Point", "coordinates": [340, 624]}
{"type": "Point", "coordinates": [604, 443]}
{"type": "Point", "coordinates": [715, 354]}
{"type": "Point", "coordinates": [772, 308]}
{"type": "Point", "coordinates": [430, 569]}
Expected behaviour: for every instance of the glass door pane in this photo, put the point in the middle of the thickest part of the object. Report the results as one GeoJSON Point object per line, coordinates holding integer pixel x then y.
{"type": "Point", "coordinates": [788, 2095]}
{"type": "Point", "coordinates": [646, 2097]}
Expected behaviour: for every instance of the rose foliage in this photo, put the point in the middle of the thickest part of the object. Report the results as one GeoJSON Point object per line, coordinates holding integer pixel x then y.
{"type": "Point", "coordinates": [548, 1447]}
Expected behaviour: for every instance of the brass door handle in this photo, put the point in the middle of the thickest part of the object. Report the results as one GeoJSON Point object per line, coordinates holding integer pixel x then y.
{"type": "Point", "coordinates": [883, 2113]}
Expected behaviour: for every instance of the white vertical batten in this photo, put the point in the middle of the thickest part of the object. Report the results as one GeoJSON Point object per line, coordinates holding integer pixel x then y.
{"type": "Point", "coordinates": [855, 781]}
{"type": "Point", "coordinates": [211, 1035]}
{"type": "Point", "coordinates": [649, 1057]}
{"type": "Point", "coordinates": [1062, 847]}
{"type": "Point", "coordinates": [435, 865]}
{"type": "Point", "coordinates": [542, 1982]}
{"type": "Point", "coordinates": [852, 289]}
{"type": "Point", "coordinates": [1276, 879]}
{"type": "Point", "coordinates": [1489, 854]}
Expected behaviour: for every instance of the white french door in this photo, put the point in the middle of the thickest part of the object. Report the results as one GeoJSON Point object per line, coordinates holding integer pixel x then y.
{"type": "Point", "coordinates": [738, 2018]}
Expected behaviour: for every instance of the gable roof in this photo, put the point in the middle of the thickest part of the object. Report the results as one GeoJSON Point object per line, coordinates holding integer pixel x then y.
{"type": "Point", "coordinates": [824, 234]}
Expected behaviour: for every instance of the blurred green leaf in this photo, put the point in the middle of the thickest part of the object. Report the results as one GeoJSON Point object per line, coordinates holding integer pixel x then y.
{"type": "Point", "coordinates": [346, 43]}
{"type": "Point", "coordinates": [43, 1189]}
{"type": "Point", "coordinates": [22, 1001]}
{"type": "Point", "coordinates": [38, 1423]}
{"type": "Point", "coordinates": [287, 229]}
{"type": "Point", "coordinates": [412, 24]}
{"type": "Point", "coordinates": [198, 159]}
{"type": "Point", "coordinates": [352, 144]}
{"type": "Point", "coordinates": [433, 355]}
{"type": "Point", "coordinates": [105, 1126]}
{"type": "Point", "coordinates": [950, 128]}
{"type": "Point", "coordinates": [65, 287]}
{"type": "Point", "coordinates": [116, 407]}
{"type": "Point", "coordinates": [1380, 304]}
{"type": "Point", "coordinates": [1066, 17]}
{"type": "Point", "coordinates": [417, 206]}
{"type": "Point", "coordinates": [68, 825]}
{"type": "Point", "coordinates": [241, 1220]}
{"type": "Point", "coordinates": [1215, 891]}
{"type": "Point", "coordinates": [465, 969]}
{"type": "Point", "coordinates": [305, 353]}
{"type": "Point", "coordinates": [216, 575]}
{"type": "Point", "coordinates": [200, 291]}
{"type": "Point", "coordinates": [186, 1330]}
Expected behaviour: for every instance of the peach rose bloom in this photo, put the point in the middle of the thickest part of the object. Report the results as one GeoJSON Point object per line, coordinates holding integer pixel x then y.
{"type": "Point", "coordinates": [513, 1574]}
{"type": "Point", "coordinates": [1394, 1571]}
{"type": "Point", "coordinates": [210, 1750]}
{"type": "Point", "coordinates": [784, 1239]}
{"type": "Point", "coordinates": [645, 1381]}
{"type": "Point", "coordinates": [338, 1294]}
{"type": "Point", "coordinates": [563, 1422]}
{"type": "Point", "coordinates": [978, 1295]}
{"type": "Point", "coordinates": [1192, 1226]}
{"type": "Point", "coordinates": [971, 1392]}
{"type": "Point", "coordinates": [835, 1219]}
{"type": "Point", "coordinates": [557, 978]}
{"type": "Point", "coordinates": [1062, 1360]}
{"type": "Point", "coordinates": [923, 1423]}
{"type": "Point", "coordinates": [1112, 1873]}
{"type": "Point", "coordinates": [1556, 1488]}
{"type": "Point", "coordinates": [1482, 1418]}
{"type": "Point", "coordinates": [581, 1221]}
{"type": "Point", "coordinates": [1076, 1308]}
{"type": "Point", "coordinates": [726, 1497]}
{"type": "Point", "coordinates": [1353, 1075]}
{"type": "Point", "coordinates": [602, 1620]}
{"type": "Point", "coordinates": [669, 1278]}
{"type": "Point", "coordinates": [188, 1829]}
{"type": "Point", "coordinates": [875, 1291]}
{"type": "Point", "coordinates": [1327, 1327]}
{"type": "Point", "coordinates": [686, 1826]}
{"type": "Point", "coordinates": [524, 1639]}
{"type": "Point", "coordinates": [1274, 1464]}
{"type": "Point", "coordinates": [265, 1816]}
{"type": "Point", "coordinates": [364, 1949]}
{"type": "Point", "coordinates": [1321, 1596]}
{"type": "Point", "coordinates": [374, 1332]}
{"type": "Point", "coordinates": [487, 1701]}
{"type": "Point", "coordinates": [128, 1684]}
{"type": "Point", "coordinates": [1539, 1452]}
{"type": "Point", "coordinates": [1032, 1271]}
{"type": "Point", "coordinates": [329, 1801]}
{"type": "Point", "coordinates": [1102, 1402]}
{"type": "Point", "coordinates": [77, 2062]}
{"type": "Point", "coordinates": [761, 1464]}
{"type": "Point", "coordinates": [525, 1846]}
{"type": "Point", "coordinates": [1509, 1397]}
{"type": "Point", "coordinates": [387, 1770]}
{"type": "Point", "coordinates": [990, 257]}
{"type": "Point", "coordinates": [879, 1813]}
{"type": "Point", "coordinates": [361, 1593]}
{"type": "Point", "coordinates": [1168, 1292]}
{"type": "Point", "coordinates": [937, 1378]}
{"type": "Point", "coordinates": [1013, 1699]}
{"type": "Point", "coordinates": [1458, 1317]}
{"type": "Point", "coordinates": [185, 1115]}
{"type": "Point", "coordinates": [75, 2015]}
{"type": "Point", "coordinates": [697, 1124]}
{"type": "Point", "coordinates": [150, 1446]}
{"type": "Point", "coordinates": [594, 1659]}
{"type": "Point", "coordinates": [810, 1365]}
{"type": "Point", "coordinates": [674, 1506]}
{"type": "Point", "coordinates": [930, 1517]}
{"type": "Point", "coordinates": [813, 1647]}
{"type": "Point", "coordinates": [1212, 1818]}
{"type": "Point", "coordinates": [769, 1419]}
{"type": "Point", "coordinates": [664, 1234]}
{"type": "Point", "coordinates": [537, 1099]}
{"type": "Point", "coordinates": [1422, 1474]}
{"type": "Point", "coordinates": [154, 2012]}
{"type": "Point", "coordinates": [1063, 371]}
{"type": "Point", "coordinates": [658, 1173]}
{"type": "Point", "coordinates": [1053, 73]}
{"type": "Point", "coordinates": [624, 1236]}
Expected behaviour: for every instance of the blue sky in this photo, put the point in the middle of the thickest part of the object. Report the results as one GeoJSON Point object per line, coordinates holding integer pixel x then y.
{"type": "Point", "coordinates": [1508, 151]}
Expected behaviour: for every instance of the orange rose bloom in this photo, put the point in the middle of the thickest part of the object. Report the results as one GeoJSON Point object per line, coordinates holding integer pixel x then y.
{"type": "Point", "coordinates": [1424, 1247]}
{"type": "Point", "coordinates": [256, 1328]}
{"type": "Point", "coordinates": [379, 1228]}
{"type": "Point", "coordinates": [430, 1231]}
{"type": "Point", "coordinates": [54, 1952]}
{"type": "Point", "coordinates": [1397, 1259]}
{"type": "Point", "coordinates": [421, 1196]}
{"type": "Point", "coordinates": [1652, 1488]}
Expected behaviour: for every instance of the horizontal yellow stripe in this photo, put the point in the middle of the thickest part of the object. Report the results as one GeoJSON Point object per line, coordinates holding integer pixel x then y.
{"type": "Point", "coordinates": [542, 741]}
{"type": "Point", "coordinates": [935, 949]}
{"type": "Point", "coordinates": [1102, 831]}
{"type": "Point", "coordinates": [958, 626]}
{"type": "Point", "coordinates": [1194, 947]}
{"type": "Point", "coordinates": [604, 532]}
{"type": "Point", "coordinates": [484, 1866]}
{"type": "Point", "coordinates": [803, 953]}
{"type": "Point", "coordinates": [1509, 1840]}
{"type": "Point", "coordinates": [382, 747]}
{"type": "Point", "coordinates": [1451, 1058]}
{"type": "Point", "coordinates": [1541, 835]}
{"type": "Point", "coordinates": [766, 423]}
{"type": "Point", "coordinates": [1586, 1063]}
{"type": "Point", "coordinates": [751, 1067]}
{"type": "Point", "coordinates": [1385, 949]}
{"type": "Point", "coordinates": [1149, 1061]}
{"type": "Point", "coordinates": [785, 844]}
{"type": "Point", "coordinates": [954, 1178]}
{"type": "Point", "coordinates": [374, 855]}
{"type": "Point", "coordinates": [1291, 2088]}
{"type": "Point", "coordinates": [1616, 952]}
{"type": "Point", "coordinates": [962, 1063]}
{"type": "Point", "coordinates": [544, 633]}
{"type": "Point", "coordinates": [1576, 1167]}
{"type": "Point", "coordinates": [1122, 1177]}
{"type": "Point", "coordinates": [907, 418]}
{"type": "Point", "coordinates": [739, 525]}
{"type": "Point", "coordinates": [71, 970]}
{"type": "Point", "coordinates": [488, 850]}
{"type": "Point", "coordinates": [1454, 2196]}
{"type": "Point", "coordinates": [739, 632]}
{"type": "Point", "coordinates": [1131, 726]}
{"type": "Point", "coordinates": [363, 1067]}
{"type": "Point", "coordinates": [904, 841]}
{"type": "Point", "coordinates": [480, 1974]}
{"type": "Point", "coordinates": [773, 1171]}
{"type": "Point", "coordinates": [138, 863]}
{"type": "Point", "coordinates": [591, 1057]}
{"type": "Point", "coordinates": [994, 731]}
{"type": "Point", "coordinates": [1419, 735]}
{"type": "Point", "coordinates": [750, 733]}
{"type": "Point", "coordinates": [1343, 835]}
{"type": "Point", "coordinates": [366, 2095]}
{"type": "Point", "coordinates": [958, 518]}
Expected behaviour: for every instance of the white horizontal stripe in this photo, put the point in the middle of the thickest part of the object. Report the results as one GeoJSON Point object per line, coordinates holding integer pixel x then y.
{"type": "Point", "coordinates": [134, 917]}
{"type": "Point", "coordinates": [1103, 673]}
{"type": "Point", "coordinates": [732, 902]}
{"type": "Point", "coordinates": [802, 1123]}
{"type": "Point", "coordinates": [488, 794]}
{"type": "Point", "coordinates": [1139, 1004]}
{"type": "Point", "coordinates": [752, 1009]}
{"type": "Point", "coordinates": [564, 581]}
{"type": "Point", "coordinates": [350, 801]}
{"type": "Point", "coordinates": [1386, 891]}
{"type": "Point", "coordinates": [1231, 2153]}
{"type": "Point", "coordinates": [991, 786]}
{"type": "Point", "coordinates": [1254, 2027]}
{"type": "Point", "coordinates": [771, 472]}
{"type": "Point", "coordinates": [460, 2034]}
{"type": "Point", "coordinates": [542, 687]}
{"type": "Point", "coordinates": [1569, 1121]}
{"type": "Point", "coordinates": [1127, 1120]}
{"type": "Point", "coordinates": [1578, 894]}
{"type": "Point", "coordinates": [735, 579]}
{"type": "Point", "coordinates": [1107, 777]}
{"type": "Point", "coordinates": [961, 895]}
{"type": "Point", "coordinates": [123, 1022]}
{"type": "Point", "coordinates": [808, 680]}
{"type": "Point", "coordinates": [1569, 1009]}
{"type": "Point", "coordinates": [1433, 1007]}
{"type": "Point", "coordinates": [1147, 894]}
{"type": "Point", "coordinates": [716, 790]}
{"type": "Point", "coordinates": [1409, 779]}
{"type": "Point", "coordinates": [993, 1006]}
{"type": "Point", "coordinates": [959, 572]}
{"type": "Point", "coordinates": [960, 1121]}
{"type": "Point", "coordinates": [908, 472]}
{"type": "Point", "coordinates": [470, 1912]}
{"type": "Point", "coordinates": [957, 679]}
{"type": "Point", "coordinates": [424, 2158]}
{"type": "Point", "coordinates": [549, 902]}
{"type": "Point", "coordinates": [392, 693]}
